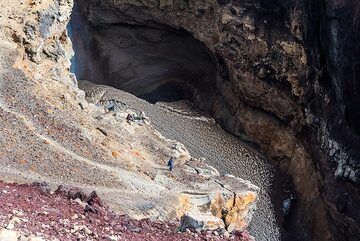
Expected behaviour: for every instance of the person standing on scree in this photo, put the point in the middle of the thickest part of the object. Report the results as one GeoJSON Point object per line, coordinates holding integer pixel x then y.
{"type": "Point", "coordinates": [171, 164]}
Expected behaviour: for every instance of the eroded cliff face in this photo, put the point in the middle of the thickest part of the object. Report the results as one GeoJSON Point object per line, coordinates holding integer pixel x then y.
{"type": "Point", "coordinates": [288, 78]}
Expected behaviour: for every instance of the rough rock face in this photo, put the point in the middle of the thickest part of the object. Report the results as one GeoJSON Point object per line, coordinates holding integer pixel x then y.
{"type": "Point", "coordinates": [213, 210]}
{"type": "Point", "coordinates": [288, 79]}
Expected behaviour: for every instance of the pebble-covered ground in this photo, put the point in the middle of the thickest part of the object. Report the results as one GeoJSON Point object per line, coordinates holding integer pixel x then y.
{"type": "Point", "coordinates": [33, 213]}
{"type": "Point", "coordinates": [204, 138]}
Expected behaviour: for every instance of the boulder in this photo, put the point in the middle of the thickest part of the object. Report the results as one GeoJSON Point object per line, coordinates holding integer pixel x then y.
{"type": "Point", "coordinates": [200, 221]}
{"type": "Point", "coordinates": [229, 204]}
{"type": "Point", "coordinates": [239, 211]}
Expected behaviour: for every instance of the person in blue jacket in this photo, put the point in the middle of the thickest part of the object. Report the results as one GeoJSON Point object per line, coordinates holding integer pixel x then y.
{"type": "Point", "coordinates": [171, 164]}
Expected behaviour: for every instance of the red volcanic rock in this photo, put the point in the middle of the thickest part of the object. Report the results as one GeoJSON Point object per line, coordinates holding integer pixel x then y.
{"type": "Point", "coordinates": [32, 210]}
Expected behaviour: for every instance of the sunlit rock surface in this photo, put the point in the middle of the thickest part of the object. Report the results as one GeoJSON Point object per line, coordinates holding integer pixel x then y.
{"type": "Point", "coordinates": [229, 208]}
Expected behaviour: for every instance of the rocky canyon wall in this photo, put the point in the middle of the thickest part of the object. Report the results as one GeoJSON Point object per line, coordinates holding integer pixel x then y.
{"type": "Point", "coordinates": [288, 78]}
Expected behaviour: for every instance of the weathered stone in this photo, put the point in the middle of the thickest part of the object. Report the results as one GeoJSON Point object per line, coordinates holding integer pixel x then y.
{"type": "Point", "coordinates": [229, 206]}
{"type": "Point", "coordinates": [200, 221]}
{"type": "Point", "coordinates": [47, 19]}
{"type": "Point", "coordinates": [34, 238]}
{"type": "Point", "coordinates": [187, 222]}
{"type": "Point", "coordinates": [8, 235]}
{"type": "Point", "coordinates": [238, 211]}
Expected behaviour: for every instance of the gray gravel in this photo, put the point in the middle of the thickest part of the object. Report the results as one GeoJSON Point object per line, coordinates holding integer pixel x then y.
{"type": "Point", "coordinates": [204, 138]}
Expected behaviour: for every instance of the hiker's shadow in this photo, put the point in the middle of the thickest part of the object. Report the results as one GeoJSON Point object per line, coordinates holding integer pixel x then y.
{"type": "Point", "coordinates": [162, 168]}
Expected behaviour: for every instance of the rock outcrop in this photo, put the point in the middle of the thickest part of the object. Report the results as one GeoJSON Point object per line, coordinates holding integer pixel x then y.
{"type": "Point", "coordinates": [289, 80]}
{"type": "Point", "coordinates": [231, 210]}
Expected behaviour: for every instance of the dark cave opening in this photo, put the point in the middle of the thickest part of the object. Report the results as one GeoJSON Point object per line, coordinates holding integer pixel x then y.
{"type": "Point", "coordinates": [153, 63]}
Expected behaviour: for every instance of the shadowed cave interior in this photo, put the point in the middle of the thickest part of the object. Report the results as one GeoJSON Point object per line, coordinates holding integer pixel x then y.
{"type": "Point", "coordinates": [155, 64]}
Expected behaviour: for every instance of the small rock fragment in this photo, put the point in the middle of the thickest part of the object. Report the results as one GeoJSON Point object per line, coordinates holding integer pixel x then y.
{"type": "Point", "coordinates": [10, 226]}
{"type": "Point", "coordinates": [87, 230]}
{"type": "Point", "coordinates": [32, 238]}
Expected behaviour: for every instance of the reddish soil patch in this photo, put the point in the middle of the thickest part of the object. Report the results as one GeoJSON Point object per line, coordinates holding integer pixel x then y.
{"type": "Point", "coordinates": [70, 214]}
